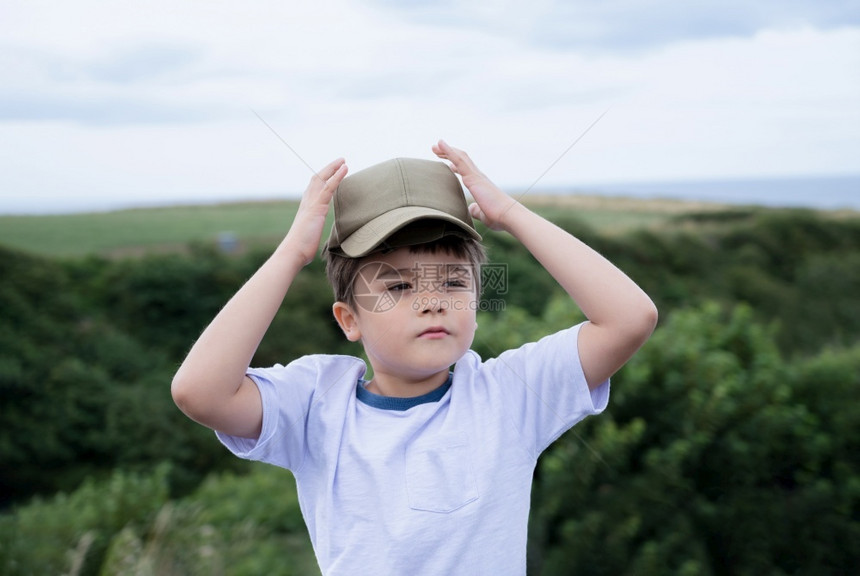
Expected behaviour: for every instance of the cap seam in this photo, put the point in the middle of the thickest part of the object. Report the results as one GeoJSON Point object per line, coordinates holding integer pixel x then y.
{"type": "Point", "coordinates": [404, 181]}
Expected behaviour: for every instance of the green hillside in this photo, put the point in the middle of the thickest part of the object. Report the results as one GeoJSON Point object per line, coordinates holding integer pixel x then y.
{"type": "Point", "coordinates": [142, 230]}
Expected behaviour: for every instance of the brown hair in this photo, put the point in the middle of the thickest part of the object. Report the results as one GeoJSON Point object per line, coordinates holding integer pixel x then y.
{"type": "Point", "coordinates": [342, 270]}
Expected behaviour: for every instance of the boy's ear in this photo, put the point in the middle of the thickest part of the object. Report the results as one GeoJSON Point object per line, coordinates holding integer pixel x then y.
{"type": "Point", "coordinates": [347, 320]}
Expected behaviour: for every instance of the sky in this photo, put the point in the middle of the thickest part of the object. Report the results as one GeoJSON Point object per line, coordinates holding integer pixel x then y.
{"type": "Point", "coordinates": [113, 104]}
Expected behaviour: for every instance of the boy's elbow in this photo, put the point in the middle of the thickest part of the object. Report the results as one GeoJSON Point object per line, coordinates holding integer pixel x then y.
{"type": "Point", "coordinates": [646, 321]}
{"type": "Point", "coordinates": [184, 397]}
{"type": "Point", "coordinates": [179, 392]}
{"type": "Point", "coordinates": [636, 324]}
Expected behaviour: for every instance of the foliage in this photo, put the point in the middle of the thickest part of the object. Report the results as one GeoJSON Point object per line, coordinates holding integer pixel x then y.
{"type": "Point", "coordinates": [729, 447]}
{"type": "Point", "coordinates": [717, 457]}
{"type": "Point", "coordinates": [80, 394]}
{"type": "Point", "coordinates": [74, 529]}
{"type": "Point", "coordinates": [88, 350]}
{"type": "Point", "coordinates": [794, 266]}
{"type": "Point", "coordinates": [233, 525]}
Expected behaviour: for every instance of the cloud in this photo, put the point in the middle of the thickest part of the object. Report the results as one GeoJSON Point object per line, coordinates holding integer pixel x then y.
{"type": "Point", "coordinates": [98, 110]}
{"type": "Point", "coordinates": [156, 99]}
{"type": "Point", "coordinates": [137, 84]}
{"type": "Point", "coordinates": [146, 62]}
{"type": "Point", "coordinates": [623, 25]}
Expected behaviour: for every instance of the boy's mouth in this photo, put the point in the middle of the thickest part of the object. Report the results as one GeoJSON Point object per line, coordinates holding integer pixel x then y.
{"type": "Point", "coordinates": [434, 332]}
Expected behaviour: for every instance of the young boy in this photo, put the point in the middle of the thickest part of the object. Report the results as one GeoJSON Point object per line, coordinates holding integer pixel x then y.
{"type": "Point", "coordinates": [419, 470]}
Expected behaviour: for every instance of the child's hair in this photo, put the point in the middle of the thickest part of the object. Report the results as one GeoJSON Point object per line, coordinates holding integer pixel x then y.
{"type": "Point", "coordinates": [342, 270]}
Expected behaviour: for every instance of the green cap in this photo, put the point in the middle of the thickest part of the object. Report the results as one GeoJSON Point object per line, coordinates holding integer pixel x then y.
{"type": "Point", "coordinates": [374, 204]}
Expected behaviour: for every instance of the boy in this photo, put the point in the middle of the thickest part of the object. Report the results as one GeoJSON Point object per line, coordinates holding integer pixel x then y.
{"type": "Point", "coordinates": [418, 470]}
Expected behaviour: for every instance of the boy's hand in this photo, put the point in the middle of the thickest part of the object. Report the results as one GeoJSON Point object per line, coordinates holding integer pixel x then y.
{"type": "Point", "coordinates": [306, 231]}
{"type": "Point", "coordinates": [621, 316]}
{"type": "Point", "coordinates": [491, 203]}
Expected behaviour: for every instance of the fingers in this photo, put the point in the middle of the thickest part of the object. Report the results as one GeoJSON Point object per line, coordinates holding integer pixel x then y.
{"type": "Point", "coordinates": [461, 162]}
{"type": "Point", "coordinates": [476, 212]}
{"type": "Point", "coordinates": [444, 150]}
{"type": "Point", "coordinates": [439, 148]}
{"type": "Point", "coordinates": [339, 174]}
{"type": "Point", "coordinates": [331, 170]}
{"type": "Point", "coordinates": [323, 184]}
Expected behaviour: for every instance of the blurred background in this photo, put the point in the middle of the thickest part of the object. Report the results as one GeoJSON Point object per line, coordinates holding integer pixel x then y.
{"type": "Point", "coordinates": [150, 159]}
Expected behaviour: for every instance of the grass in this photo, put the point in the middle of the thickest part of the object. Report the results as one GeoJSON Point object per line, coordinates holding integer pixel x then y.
{"type": "Point", "coordinates": [143, 230]}
{"type": "Point", "coordinates": [617, 215]}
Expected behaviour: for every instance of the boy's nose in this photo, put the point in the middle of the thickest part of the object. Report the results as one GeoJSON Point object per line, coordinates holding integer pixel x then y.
{"type": "Point", "coordinates": [431, 305]}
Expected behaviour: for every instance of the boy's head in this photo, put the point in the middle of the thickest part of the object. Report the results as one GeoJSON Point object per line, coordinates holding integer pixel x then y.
{"type": "Point", "coordinates": [404, 261]}
{"type": "Point", "coordinates": [399, 203]}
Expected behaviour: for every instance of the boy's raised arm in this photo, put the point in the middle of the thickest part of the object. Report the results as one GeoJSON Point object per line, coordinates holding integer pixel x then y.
{"type": "Point", "coordinates": [211, 386]}
{"type": "Point", "coordinates": [621, 316]}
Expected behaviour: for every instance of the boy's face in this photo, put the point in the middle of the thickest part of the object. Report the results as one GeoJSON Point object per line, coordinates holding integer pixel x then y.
{"type": "Point", "coordinates": [415, 312]}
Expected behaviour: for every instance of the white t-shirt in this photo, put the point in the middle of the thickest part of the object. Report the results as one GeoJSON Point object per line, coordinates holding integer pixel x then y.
{"type": "Point", "coordinates": [441, 487]}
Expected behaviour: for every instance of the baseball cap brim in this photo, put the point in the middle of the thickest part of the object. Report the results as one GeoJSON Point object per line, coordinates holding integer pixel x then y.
{"type": "Point", "coordinates": [383, 228]}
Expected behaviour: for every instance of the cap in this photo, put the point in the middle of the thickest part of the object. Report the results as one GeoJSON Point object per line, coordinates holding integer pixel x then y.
{"type": "Point", "coordinates": [374, 204]}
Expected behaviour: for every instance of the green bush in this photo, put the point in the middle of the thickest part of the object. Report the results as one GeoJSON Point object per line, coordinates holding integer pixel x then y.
{"type": "Point", "coordinates": [233, 525]}
{"type": "Point", "coordinates": [74, 529]}
{"type": "Point", "coordinates": [715, 458]}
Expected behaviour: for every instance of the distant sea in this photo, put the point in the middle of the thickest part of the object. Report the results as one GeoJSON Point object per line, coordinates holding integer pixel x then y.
{"type": "Point", "coordinates": [826, 193]}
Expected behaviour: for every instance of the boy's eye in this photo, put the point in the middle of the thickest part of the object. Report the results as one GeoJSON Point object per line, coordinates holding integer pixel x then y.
{"type": "Point", "coordinates": [456, 284]}
{"type": "Point", "coordinates": [399, 287]}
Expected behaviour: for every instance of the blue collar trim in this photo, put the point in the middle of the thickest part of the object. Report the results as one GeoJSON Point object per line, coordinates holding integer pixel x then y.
{"type": "Point", "coordinates": [400, 404]}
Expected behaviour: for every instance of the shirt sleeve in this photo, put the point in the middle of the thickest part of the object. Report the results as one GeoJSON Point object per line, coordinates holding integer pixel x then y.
{"type": "Point", "coordinates": [286, 393]}
{"type": "Point", "coordinates": [543, 388]}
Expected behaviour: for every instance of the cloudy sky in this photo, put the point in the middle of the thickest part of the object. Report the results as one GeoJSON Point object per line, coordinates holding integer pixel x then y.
{"type": "Point", "coordinates": [107, 104]}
